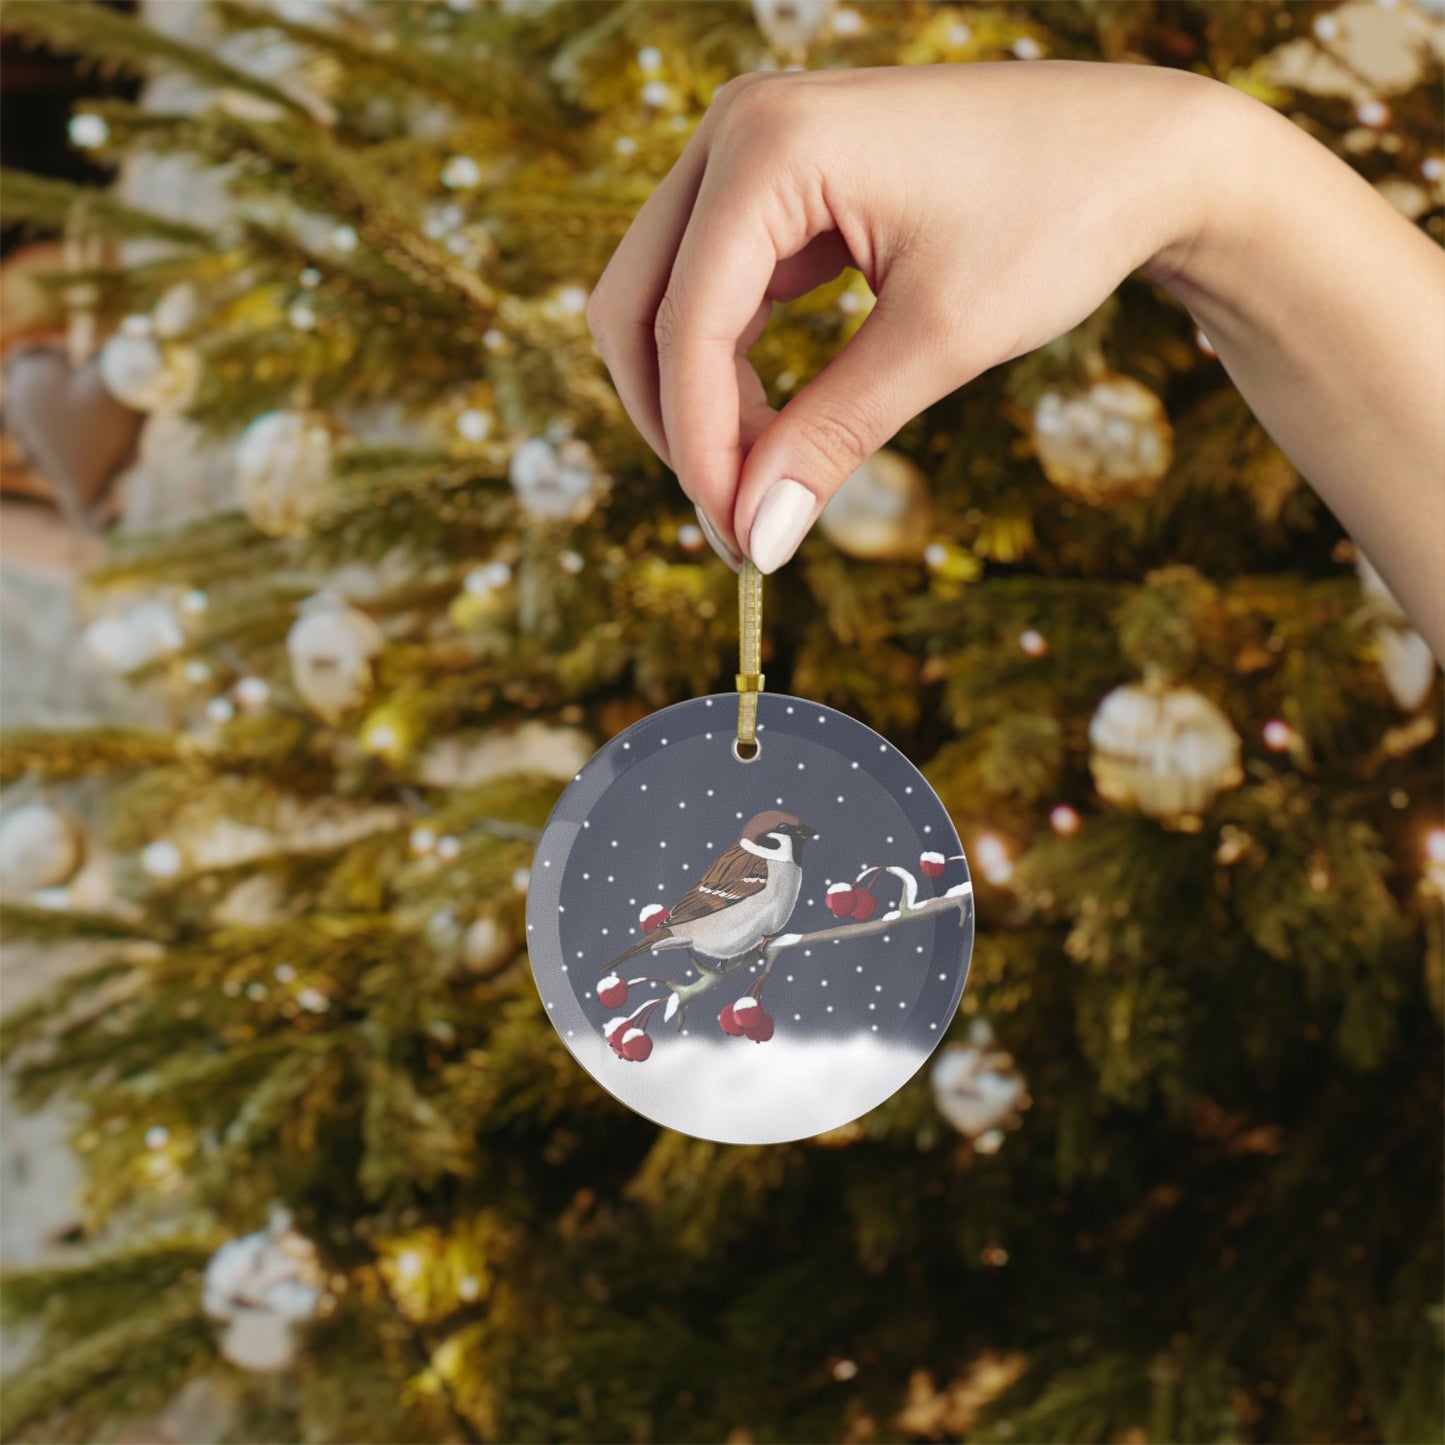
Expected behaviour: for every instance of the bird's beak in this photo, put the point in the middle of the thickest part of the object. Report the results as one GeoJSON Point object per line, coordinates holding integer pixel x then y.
{"type": "Point", "coordinates": [807, 831]}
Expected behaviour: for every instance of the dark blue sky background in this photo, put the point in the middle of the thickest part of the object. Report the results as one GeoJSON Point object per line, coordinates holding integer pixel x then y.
{"type": "Point", "coordinates": [656, 806]}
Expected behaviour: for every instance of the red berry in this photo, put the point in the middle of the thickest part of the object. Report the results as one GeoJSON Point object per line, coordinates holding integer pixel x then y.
{"type": "Point", "coordinates": [840, 900]}
{"type": "Point", "coordinates": [636, 1046]}
{"type": "Point", "coordinates": [760, 1027]}
{"type": "Point", "coordinates": [865, 904]}
{"type": "Point", "coordinates": [744, 1011]}
{"type": "Point", "coordinates": [652, 917]}
{"type": "Point", "coordinates": [729, 1022]}
{"type": "Point", "coordinates": [612, 992]}
{"type": "Point", "coordinates": [931, 865]}
{"type": "Point", "coordinates": [612, 1031]}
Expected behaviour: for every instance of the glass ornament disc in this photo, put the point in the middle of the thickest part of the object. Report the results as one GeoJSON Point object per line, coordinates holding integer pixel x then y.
{"type": "Point", "coordinates": [750, 951]}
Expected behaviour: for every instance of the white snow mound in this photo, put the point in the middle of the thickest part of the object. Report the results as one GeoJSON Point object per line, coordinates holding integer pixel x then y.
{"type": "Point", "coordinates": [739, 1093]}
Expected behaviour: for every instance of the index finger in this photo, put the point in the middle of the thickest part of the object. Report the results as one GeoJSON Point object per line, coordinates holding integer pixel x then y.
{"type": "Point", "coordinates": [719, 285]}
{"type": "Point", "coordinates": [624, 302]}
{"type": "Point", "coordinates": [622, 310]}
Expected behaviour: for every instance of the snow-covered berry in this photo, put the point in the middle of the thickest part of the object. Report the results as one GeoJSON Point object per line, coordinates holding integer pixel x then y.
{"type": "Point", "coordinates": [760, 1026]}
{"type": "Point", "coordinates": [613, 1030]}
{"type": "Point", "coordinates": [651, 917]}
{"type": "Point", "coordinates": [840, 900]}
{"type": "Point", "coordinates": [730, 1025]}
{"type": "Point", "coordinates": [931, 865]}
{"type": "Point", "coordinates": [636, 1046]}
{"type": "Point", "coordinates": [865, 904]}
{"type": "Point", "coordinates": [612, 991]}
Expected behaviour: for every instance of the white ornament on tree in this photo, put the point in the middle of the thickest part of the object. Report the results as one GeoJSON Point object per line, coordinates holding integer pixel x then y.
{"type": "Point", "coordinates": [176, 312]}
{"type": "Point", "coordinates": [142, 373]}
{"type": "Point", "coordinates": [881, 512]}
{"type": "Point", "coordinates": [1405, 657]}
{"type": "Point", "coordinates": [87, 131]}
{"type": "Point", "coordinates": [162, 859]}
{"type": "Point", "coordinates": [555, 481]}
{"type": "Point", "coordinates": [471, 759]}
{"type": "Point", "coordinates": [792, 25]}
{"type": "Point", "coordinates": [283, 470]}
{"type": "Point", "coordinates": [252, 692]}
{"type": "Point", "coordinates": [1164, 751]}
{"type": "Point", "coordinates": [486, 945]}
{"type": "Point", "coordinates": [461, 173]}
{"type": "Point", "coordinates": [261, 1287]}
{"type": "Point", "coordinates": [474, 425]}
{"type": "Point", "coordinates": [331, 647]}
{"type": "Point", "coordinates": [136, 636]}
{"type": "Point", "coordinates": [1107, 443]}
{"type": "Point", "coordinates": [40, 847]}
{"type": "Point", "coordinates": [977, 1088]}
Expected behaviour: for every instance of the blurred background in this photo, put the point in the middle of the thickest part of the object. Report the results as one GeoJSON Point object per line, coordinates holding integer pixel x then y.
{"type": "Point", "coordinates": [329, 554]}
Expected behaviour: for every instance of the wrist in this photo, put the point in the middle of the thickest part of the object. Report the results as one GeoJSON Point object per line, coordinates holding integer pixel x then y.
{"type": "Point", "coordinates": [1267, 202]}
{"type": "Point", "coordinates": [1221, 146]}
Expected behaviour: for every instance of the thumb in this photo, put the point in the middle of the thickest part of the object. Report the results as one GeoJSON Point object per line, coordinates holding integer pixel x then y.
{"type": "Point", "coordinates": [901, 360]}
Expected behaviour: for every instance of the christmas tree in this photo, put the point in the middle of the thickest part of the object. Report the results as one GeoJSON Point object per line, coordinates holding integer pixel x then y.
{"type": "Point", "coordinates": [1176, 1173]}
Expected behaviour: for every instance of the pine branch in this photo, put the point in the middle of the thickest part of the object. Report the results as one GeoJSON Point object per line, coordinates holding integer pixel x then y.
{"type": "Point", "coordinates": [50, 1014]}
{"type": "Point", "coordinates": [119, 42]}
{"type": "Point", "coordinates": [101, 1286]}
{"type": "Point", "coordinates": [126, 1368]}
{"type": "Point", "coordinates": [425, 1350]}
{"type": "Point", "coordinates": [312, 169]}
{"type": "Point", "coordinates": [216, 548]}
{"type": "Point", "coordinates": [81, 752]}
{"type": "Point", "coordinates": [523, 111]}
{"type": "Point", "coordinates": [65, 925]}
{"type": "Point", "coordinates": [320, 172]}
{"type": "Point", "coordinates": [51, 204]}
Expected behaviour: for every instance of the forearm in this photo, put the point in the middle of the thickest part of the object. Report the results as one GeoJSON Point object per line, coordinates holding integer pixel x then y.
{"type": "Point", "coordinates": [1327, 309]}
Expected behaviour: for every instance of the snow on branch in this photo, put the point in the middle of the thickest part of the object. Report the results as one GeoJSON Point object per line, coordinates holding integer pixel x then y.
{"type": "Point", "coordinates": [856, 907]}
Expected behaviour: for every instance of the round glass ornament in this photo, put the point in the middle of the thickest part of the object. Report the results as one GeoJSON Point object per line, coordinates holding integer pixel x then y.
{"type": "Point", "coordinates": [750, 951]}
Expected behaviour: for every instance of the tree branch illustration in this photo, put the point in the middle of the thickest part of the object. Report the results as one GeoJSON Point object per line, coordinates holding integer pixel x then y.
{"type": "Point", "coordinates": [673, 1005]}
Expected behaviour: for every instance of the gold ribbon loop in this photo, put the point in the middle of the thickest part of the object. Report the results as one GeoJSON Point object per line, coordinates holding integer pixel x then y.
{"type": "Point", "coordinates": [750, 649]}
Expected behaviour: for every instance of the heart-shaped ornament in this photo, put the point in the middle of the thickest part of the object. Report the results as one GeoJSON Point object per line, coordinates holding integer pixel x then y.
{"type": "Point", "coordinates": [74, 431]}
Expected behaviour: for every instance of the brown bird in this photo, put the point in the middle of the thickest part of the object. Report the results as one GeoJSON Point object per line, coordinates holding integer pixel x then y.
{"type": "Point", "coordinates": [743, 899]}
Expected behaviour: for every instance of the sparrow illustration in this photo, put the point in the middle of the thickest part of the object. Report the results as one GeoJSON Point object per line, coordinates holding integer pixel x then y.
{"type": "Point", "coordinates": [742, 900]}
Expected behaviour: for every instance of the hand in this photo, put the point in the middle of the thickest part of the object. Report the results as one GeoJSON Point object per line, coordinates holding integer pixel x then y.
{"type": "Point", "coordinates": [989, 207]}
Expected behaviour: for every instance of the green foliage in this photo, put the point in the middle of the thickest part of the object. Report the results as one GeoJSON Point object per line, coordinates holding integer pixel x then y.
{"type": "Point", "coordinates": [79, 753]}
{"type": "Point", "coordinates": [53, 204]}
{"type": "Point", "coordinates": [1220, 1218]}
{"type": "Point", "coordinates": [134, 1321]}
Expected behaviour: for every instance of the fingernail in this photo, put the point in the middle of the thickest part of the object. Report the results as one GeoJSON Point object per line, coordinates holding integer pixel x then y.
{"type": "Point", "coordinates": [781, 524]}
{"type": "Point", "coordinates": [715, 541]}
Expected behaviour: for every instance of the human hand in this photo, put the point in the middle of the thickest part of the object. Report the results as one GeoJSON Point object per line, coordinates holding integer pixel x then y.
{"type": "Point", "coordinates": [990, 208]}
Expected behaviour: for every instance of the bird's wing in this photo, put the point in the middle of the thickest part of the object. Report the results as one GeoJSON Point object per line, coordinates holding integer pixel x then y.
{"type": "Point", "coordinates": [737, 874]}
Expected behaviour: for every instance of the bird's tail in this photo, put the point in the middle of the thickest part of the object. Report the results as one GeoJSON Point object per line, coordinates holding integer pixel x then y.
{"type": "Point", "coordinates": [643, 945]}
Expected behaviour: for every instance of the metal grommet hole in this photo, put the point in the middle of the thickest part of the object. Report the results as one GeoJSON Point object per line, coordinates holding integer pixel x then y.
{"type": "Point", "coordinates": [749, 757]}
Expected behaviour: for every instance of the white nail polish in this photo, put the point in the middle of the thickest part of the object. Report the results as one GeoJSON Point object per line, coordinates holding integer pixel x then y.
{"type": "Point", "coordinates": [782, 522]}
{"type": "Point", "coordinates": [716, 542]}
